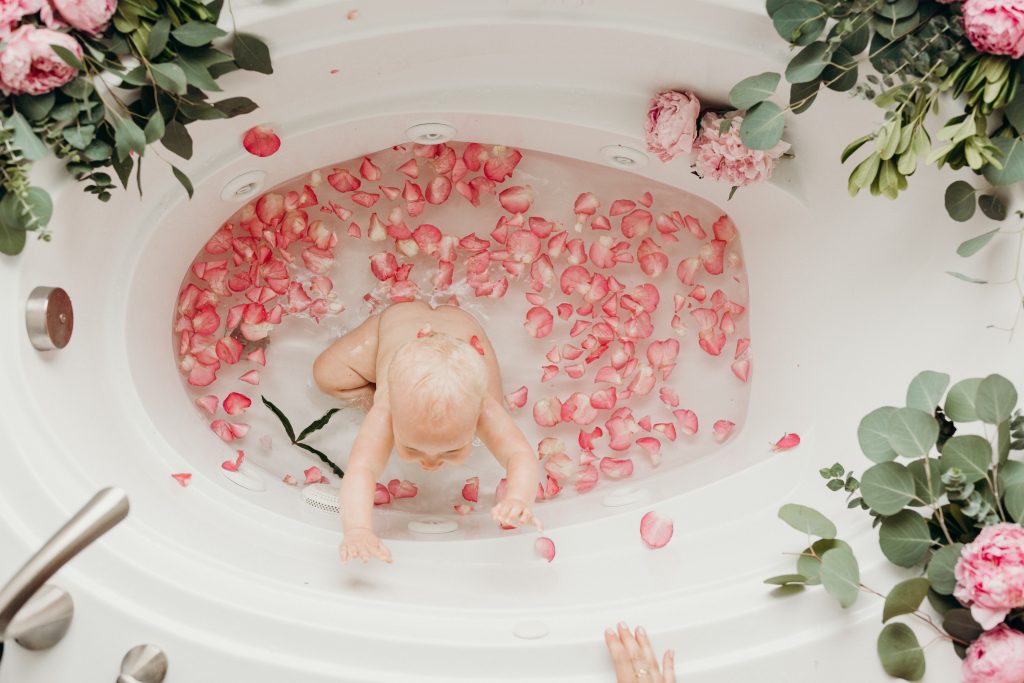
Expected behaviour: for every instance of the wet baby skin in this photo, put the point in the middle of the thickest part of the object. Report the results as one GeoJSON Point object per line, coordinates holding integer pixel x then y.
{"type": "Point", "coordinates": [447, 390]}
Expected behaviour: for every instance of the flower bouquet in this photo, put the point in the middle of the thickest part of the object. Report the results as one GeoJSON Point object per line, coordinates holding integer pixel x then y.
{"type": "Point", "coordinates": [97, 81]}
{"type": "Point", "coordinates": [953, 519]}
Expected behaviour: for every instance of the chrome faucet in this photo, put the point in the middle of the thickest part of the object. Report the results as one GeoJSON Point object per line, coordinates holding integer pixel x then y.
{"type": "Point", "coordinates": [38, 616]}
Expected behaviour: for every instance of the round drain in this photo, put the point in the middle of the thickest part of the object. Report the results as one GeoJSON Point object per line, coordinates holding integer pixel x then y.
{"type": "Point", "coordinates": [620, 499]}
{"type": "Point", "coordinates": [433, 525]}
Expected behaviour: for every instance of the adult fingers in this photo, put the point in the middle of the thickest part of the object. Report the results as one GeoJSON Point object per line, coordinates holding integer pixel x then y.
{"type": "Point", "coordinates": [668, 667]}
{"type": "Point", "coordinates": [620, 658]}
{"type": "Point", "coordinates": [628, 641]}
{"type": "Point", "coordinates": [645, 647]}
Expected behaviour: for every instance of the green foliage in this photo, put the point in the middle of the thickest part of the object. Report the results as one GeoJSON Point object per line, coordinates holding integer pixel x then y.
{"type": "Point", "coordinates": [313, 426]}
{"type": "Point", "coordinates": [873, 435]}
{"type": "Point", "coordinates": [754, 89]}
{"type": "Point", "coordinates": [940, 568]}
{"type": "Point", "coordinates": [887, 487]}
{"type": "Point", "coordinates": [912, 432]}
{"type": "Point", "coordinates": [178, 66]}
{"type": "Point", "coordinates": [926, 390]}
{"type": "Point", "coordinates": [807, 520]}
{"type": "Point", "coordinates": [840, 575]}
{"type": "Point", "coordinates": [904, 538]}
{"type": "Point", "coordinates": [960, 200]}
{"type": "Point", "coordinates": [900, 652]}
{"type": "Point", "coordinates": [762, 126]}
{"type": "Point", "coordinates": [904, 598]}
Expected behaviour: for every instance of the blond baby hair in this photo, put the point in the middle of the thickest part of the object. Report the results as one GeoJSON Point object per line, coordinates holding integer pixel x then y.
{"type": "Point", "coordinates": [434, 374]}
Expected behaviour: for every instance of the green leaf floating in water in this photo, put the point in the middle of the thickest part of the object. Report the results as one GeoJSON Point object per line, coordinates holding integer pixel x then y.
{"type": "Point", "coordinates": [317, 424]}
{"type": "Point", "coordinates": [280, 416]}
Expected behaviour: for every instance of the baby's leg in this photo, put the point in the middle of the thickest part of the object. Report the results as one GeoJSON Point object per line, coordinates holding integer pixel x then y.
{"type": "Point", "coordinates": [346, 369]}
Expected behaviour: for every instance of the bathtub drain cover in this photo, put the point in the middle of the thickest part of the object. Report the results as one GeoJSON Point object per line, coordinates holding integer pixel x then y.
{"type": "Point", "coordinates": [322, 497]}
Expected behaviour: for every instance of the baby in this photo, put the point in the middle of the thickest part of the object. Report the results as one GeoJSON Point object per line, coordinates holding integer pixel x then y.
{"type": "Point", "coordinates": [431, 382]}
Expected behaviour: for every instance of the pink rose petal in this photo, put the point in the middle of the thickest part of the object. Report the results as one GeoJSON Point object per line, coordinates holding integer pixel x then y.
{"type": "Point", "coordinates": [545, 547]}
{"type": "Point", "coordinates": [261, 141]}
{"type": "Point", "coordinates": [786, 442]}
{"type": "Point", "coordinates": [656, 531]}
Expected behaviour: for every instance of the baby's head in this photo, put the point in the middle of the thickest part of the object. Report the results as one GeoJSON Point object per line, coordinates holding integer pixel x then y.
{"type": "Point", "coordinates": [436, 385]}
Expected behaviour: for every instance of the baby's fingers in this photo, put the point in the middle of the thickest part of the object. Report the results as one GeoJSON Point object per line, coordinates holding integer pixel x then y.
{"type": "Point", "coordinates": [382, 553]}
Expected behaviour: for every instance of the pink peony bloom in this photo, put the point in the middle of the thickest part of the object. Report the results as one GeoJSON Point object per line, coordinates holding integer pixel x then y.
{"type": "Point", "coordinates": [672, 124]}
{"type": "Point", "coordinates": [995, 26]}
{"type": "Point", "coordinates": [29, 65]}
{"type": "Point", "coordinates": [12, 11]}
{"type": "Point", "coordinates": [990, 573]}
{"type": "Point", "coordinates": [996, 657]}
{"type": "Point", "coordinates": [90, 16]}
{"type": "Point", "coordinates": [722, 156]}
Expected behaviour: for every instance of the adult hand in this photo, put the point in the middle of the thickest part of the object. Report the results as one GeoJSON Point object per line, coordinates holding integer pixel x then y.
{"type": "Point", "coordinates": [634, 658]}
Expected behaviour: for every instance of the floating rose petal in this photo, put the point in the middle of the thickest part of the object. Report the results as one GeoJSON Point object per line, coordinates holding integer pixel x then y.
{"type": "Point", "coordinates": [666, 428]}
{"type": "Point", "coordinates": [261, 141]}
{"type": "Point", "coordinates": [741, 345]}
{"type": "Point", "coordinates": [259, 356]}
{"type": "Point", "coordinates": [786, 442]}
{"type": "Point", "coordinates": [652, 447]}
{"type": "Point", "coordinates": [289, 480]}
{"type": "Point", "coordinates": [515, 199]}
{"type": "Point", "coordinates": [741, 368]}
{"type": "Point", "coordinates": [208, 403]}
{"type": "Point", "coordinates": [616, 468]}
{"type": "Point", "coordinates": [463, 509]}
{"type": "Point", "coordinates": [183, 479]}
{"type": "Point", "coordinates": [471, 490]}
{"type": "Point", "coordinates": [647, 199]}
{"type": "Point", "coordinates": [586, 478]}
{"type": "Point", "coordinates": [517, 398]}
{"type": "Point", "coordinates": [549, 372]}
{"type": "Point", "coordinates": [232, 466]}
{"type": "Point", "coordinates": [381, 495]}
{"type": "Point", "coordinates": [228, 431]}
{"type": "Point", "coordinates": [236, 404]}
{"type": "Point", "coordinates": [545, 547]}
{"type": "Point", "coordinates": [621, 206]}
{"type": "Point", "coordinates": [313, 475]}
{"type": "Point", "coordinates": [687, 270]}
{"type": "Point", "coordinates": [474, 341]}
{"type": "Point", "coordinates": [724, 229]}
{"type": "Point", "coordinates": [369, 170]}
{"type": "Point", "coordinates": [723, 428]}
{"type": "Point", "coordinates": [252, 377]}
{"type": "Point", "coordinates": [687, 420]}
{"type": "Point", "coordinates": [656, 531]}
{"type": "Point", "coordinates": [636, 223]}
{"type": "Point", "coordinates": [669, 397]}
{"type": "Point", "coordinates": [547, 411]}
{"type": "Point", "coordinates": [712, 255]}
{"type": "Point", "coordinates": [402, 489]}
{"type": "Point", "coordinates": [652, 259]}
{"type": "Point", "coordinates": [410, 169]}
{"type": "Point", "coordinates": [383, 265]}
{"type": "Point", "coordinates": [539, 322]}
{"type": "Point", "coordinates": [577, 408]}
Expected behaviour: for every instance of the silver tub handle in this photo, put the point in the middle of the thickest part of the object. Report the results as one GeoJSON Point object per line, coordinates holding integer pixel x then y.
{"type": "Point", "coordinates": [99, 515]}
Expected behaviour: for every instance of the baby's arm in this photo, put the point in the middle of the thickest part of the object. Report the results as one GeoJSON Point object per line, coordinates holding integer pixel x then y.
{"type": "Point", "coordinates": [509, 446]}
{"type": "Point", "coordinates": [370, 453]}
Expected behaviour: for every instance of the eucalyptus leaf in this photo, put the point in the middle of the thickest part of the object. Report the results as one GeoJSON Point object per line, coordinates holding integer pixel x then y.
{"type": "Point", "coordinates": [974, 245]}
{"type": "Point", "coordinates": [807, 520]}
{"type": "Point", "coordinates": [873, 435]}
{"type": "Point", "coordinates": [183, 179]}
{"type": "Point", "coordinates": [12, 240]}
{"type": "Point", "coordinates": [762, 126]}
{"type": "Point", "coordinates": [169, 77]}
{"type": "Point", "coordinates": [127, 137]}
{"type": "Point", "coordinates": [904, 598]}
{"type": "Point", "coordinates": [887, 487]}
{"type": "Point", "coordinates": [808, 64]}
{"type": "Point", "coordinates": [967, 278]}
{"type": "Point", "coordinates": [971, 454]}
{"type": "Point", "coordinates": [1014, 111]}
{"type": "Point", "coordinates": [79, 137]}
{"type": "Point", "coordinates": [904, 538]}
{"type": "Point", "coordinates": [251, 53]}
{"type": "Point", "coordinates": [799, 22]}
{"type": "Point", "coordinates": [236, 106]}
{"type": "Point", "coordinates": [853, 147]}
{"type": "Point", "coordinates": [30, 211]}
{"type": "Point", "coordinates": [960, 624]}
{"type": "Point", "coordinates": [753, 89]}
{"type": "Point", "coordinates": [941, 566]}
{"type": "Point", "coordinates": [196, 74]}
{"type": "Point", "coordinates": [926, 390]}
{"type": "Point", "coordinates": [927, 494]}
{"type": "Point", "coordinates": [154, 129]}
{"type": "Point", "coordinates": [840, 575]}
{"type": "Point", "coordinates": [912, 432]}
{"type": "Point", "coordinates": [900, 652]}
{"type": "Point", "coordinates": [25, 139]}
{"type": "Point", "coordinates": [177, 139]}
{"type": "Point", "coordinates": [841, 73]}
{"type": "Point", "coordinates": [197, 33]}
{"type": "Point", "coordinates": [68, 57]}
{"type": "Point", "coordinates": [1010, 473]}
{"type": "Point", "coordinates": [992, 206]}
{"type": "Point", "coordinates": [35, 107]}
{"type": "Point", "coordinates": [996, 399]}
{"type": "Point", "coordinates": [786, 580]}
{"type": "Point", "coordinates": [1013, 499]}
{"type": "Point", "coordinates": [808, 564]}
{"type": "Point", "coordinates": [959, 200]}
{"type": "Point", "coordinates": [157, 40]}
{"type": "Point", "coordinates": [1013, 163]}
{"type": "Point", "coordinates": [802, 96]}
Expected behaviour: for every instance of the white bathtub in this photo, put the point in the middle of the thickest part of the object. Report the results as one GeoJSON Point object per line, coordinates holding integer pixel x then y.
{"type": "Point", "coordinates": [849, 300]}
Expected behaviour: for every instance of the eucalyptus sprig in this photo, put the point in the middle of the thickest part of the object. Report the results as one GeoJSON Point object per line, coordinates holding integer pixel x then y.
{"type": "Point", "coordinates": [146, 78]}
{"type": "Point", "coordinates": [926, 510]}
{"type": "Point", "coordinates": [297, 440]}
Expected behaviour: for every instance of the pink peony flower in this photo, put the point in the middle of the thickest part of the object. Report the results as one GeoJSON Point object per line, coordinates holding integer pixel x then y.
{"type": "Point", "coordinates": [722, 156]}
{"type": "Point", "coordinates": [672, 124]}
{"type": "Point", "coordinates": [995, 26]}
{"type": "Point", "coordinates": [12, 11]}
{"type": "Point", "coordinates": [990, 573]}
{"type": "Point", "coordinates": [996, 657]}
{"type": "Point", "coordinates": [90, 16]}
{"type": "Point", "coordinates": [29, 65]}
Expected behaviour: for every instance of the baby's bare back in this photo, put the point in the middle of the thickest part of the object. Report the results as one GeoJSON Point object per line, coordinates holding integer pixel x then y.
{"type": "Point", "coordinates": [402, 322]}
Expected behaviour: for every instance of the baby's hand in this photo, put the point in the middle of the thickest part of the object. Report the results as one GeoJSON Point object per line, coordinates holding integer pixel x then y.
{"type": "Point", "coordinates": [363, 544]}
{"type": "Point", "coordinates": [514, 512]}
